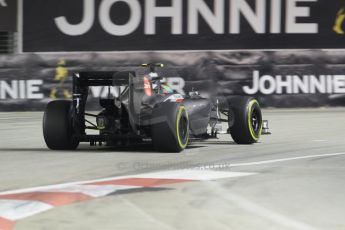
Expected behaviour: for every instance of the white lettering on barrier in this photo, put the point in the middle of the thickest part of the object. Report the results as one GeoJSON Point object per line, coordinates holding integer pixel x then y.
{"type": "Point", "coordinates": [30, 89]}
{"type": "Point", "coordinates": [103, 91]}
{"type": "Point", "coordinates": [85, 25]}
{"type": "Point", "coordinates": [275, 16]}
{"type": "Point", "coordinates": [119, 30]}
{"type": "Point", "coordinates": [339, 84]}
{"type": "Point", "coordinates": [9, 89]}
{"type": "Point", "coordinates": [256, 19]}
{"type": "Point", "coordinates": [301, 84]}
{"type": "Point", "coordinates": [294, 84]}
{"type": "Point", "coordinates": [215, 18]}
{"type": "Point", "coordinates": [33, 89]}
{"type": "Point", "coordinates": [294, 12]}
{"type": "Point", "coordinates": [175, 83]}
{"type": "Point", "coordinates": [152, 12]}
{"type": "Point", "coordinates": [22, 89]}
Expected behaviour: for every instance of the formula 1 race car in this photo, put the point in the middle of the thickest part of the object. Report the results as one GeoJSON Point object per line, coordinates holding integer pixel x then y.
{"type": "Point", "coordinates": [147, 110]}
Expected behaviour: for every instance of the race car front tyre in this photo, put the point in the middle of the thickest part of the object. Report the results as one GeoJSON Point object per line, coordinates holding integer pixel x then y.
{"type": "Point", "coordinates": [57, 126]}
{"type": "Point", "coordinates": [170, 128]}
{"type": "Point", "coordinates": [247, 125]}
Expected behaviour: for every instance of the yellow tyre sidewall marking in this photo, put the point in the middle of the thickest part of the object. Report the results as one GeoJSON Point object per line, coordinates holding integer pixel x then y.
{"type": "Point", "coordinates": [182, 145]}
{"type": "Point", "coordinates": [249, 111]}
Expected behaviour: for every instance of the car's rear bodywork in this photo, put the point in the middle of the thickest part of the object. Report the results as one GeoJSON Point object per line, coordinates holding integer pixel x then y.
{"type": "Point", "coordinates": [131, 114]}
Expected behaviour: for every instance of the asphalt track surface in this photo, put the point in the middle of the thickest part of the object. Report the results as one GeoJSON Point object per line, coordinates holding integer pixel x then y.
{"type": "Point", "coordinates": [293, 179]}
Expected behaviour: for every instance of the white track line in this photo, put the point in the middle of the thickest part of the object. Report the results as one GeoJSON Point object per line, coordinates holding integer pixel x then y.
{"type": "Point", "coordinates": [258, 210]}
{"type": "Point", "coordinates": [286, 159]}
{"type": "Point", "coordinates": [190, 174]}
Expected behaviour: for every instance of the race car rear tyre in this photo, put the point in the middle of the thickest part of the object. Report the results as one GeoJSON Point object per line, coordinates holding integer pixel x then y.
{"type": "Point", "coordinates": [247, 125]}
{"type": "Point", "coordinates": [170, 128]}
{"type": "Point", "coordinates": [57, 126]}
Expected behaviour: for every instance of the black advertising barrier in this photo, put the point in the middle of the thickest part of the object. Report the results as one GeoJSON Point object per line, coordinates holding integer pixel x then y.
{"type": "Point", "coordinates": [169, 31]}
{"type": "Point", "coordinates": [115, 25]}
{"type": "Point", "coordinates": [277, 79]}
{"type": "Point", "coordinates": [8, 15]}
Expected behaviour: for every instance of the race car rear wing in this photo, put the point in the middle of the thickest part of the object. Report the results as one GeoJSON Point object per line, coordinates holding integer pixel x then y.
{"type": "Point", "coordinates": [84, 79]}
{"type": "Point", "coordinates": [131, 97]}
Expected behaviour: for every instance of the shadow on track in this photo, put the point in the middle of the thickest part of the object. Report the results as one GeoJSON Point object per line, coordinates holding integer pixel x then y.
{"type": "Point", "coordinates": [215, 142]}
{"type": "Point", "coordinates": [140, 148]}
{"type": "Point", "coordinates": [138, 190]}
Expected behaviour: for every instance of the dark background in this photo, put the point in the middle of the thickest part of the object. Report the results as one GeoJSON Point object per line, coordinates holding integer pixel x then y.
{"type": "Point", "coordinates": [8, 16]}
{"type": "Point", "coordinates": [42, 35]}
{"type": "Point", "coordinates": [217, 73]}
